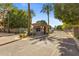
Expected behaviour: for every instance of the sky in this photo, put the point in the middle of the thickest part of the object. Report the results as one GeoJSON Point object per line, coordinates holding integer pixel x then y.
{"type": "Point", "coordinates": [36, 7]}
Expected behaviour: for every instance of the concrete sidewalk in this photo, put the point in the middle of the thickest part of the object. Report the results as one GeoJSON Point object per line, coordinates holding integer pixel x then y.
{"type": "Point", "coordinates": [76, 40]}
{"type": "Point", "coordinates": [6, 34]}
{"type": "Point", "coordinates": [8, 39]}
{"type": "Point", "coordinates": [13, 38]}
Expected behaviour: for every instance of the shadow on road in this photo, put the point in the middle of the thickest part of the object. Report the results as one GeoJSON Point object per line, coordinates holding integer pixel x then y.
{"type": "Point", "coordinates": [68, 47]}
{"type": "Point", "coordinates": [43, 38]}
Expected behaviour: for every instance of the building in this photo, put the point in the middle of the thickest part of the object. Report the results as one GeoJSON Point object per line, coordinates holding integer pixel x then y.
{"type": "Point", "coordinates": [39, 28]}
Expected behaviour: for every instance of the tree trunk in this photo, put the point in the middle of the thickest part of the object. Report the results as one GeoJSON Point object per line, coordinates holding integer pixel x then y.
{"type": "Point", "coordinates": [48, 22]}
{"type": "Point", "coordinates": [76, 32]}
{"type": "Point", "coordinates": [44, 29]}
{"type": "Point", "coordinates": [29, 19]}
{"type": "Point", "coordinates": [8, 25]}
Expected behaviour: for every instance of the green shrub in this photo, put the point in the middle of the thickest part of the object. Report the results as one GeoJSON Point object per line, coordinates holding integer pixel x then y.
{"type": "Point", "coordinates": [77, 36]}
{"type": "Point", "coordinates": [23, 35]}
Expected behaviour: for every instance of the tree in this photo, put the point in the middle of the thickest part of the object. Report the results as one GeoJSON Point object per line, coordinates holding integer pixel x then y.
{"type": "Point", "coordinates": [7, 7]}
{"type": "Point", "coordinates": [17, 19]}
{"type": "Point", "coordinates": [68, 14]}
{"type": "Point", "coordinates": [59, 27]}
{"type": "Point", "coordinates": [30, 15]}
{"type": "Point", "coordinates": [66, 26]}
{"type": "Point", "coordinates": [47, 8]}
{"type": "Point", "coordinates": [41, 22]}
{"type": "Point", "coordinates": [29, 19]}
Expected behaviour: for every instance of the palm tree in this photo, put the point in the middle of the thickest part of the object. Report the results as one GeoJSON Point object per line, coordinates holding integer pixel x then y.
{"type": "Point", "coordinates": [47, 8]}
{"type": "Point", "coordinates": [30, 15]}
{"type": "Point", "coordinates": [29, 19]}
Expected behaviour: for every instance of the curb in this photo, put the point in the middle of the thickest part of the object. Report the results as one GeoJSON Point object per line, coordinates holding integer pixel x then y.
{"type": "Point", "coordinates": [76, 40]}
{"type": "Point", "coordinates": [5, 43]}
{"type": "Point", "coordinates": [17, 39]}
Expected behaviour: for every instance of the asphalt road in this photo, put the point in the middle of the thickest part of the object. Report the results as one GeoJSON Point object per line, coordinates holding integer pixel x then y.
{"type": "Point", "coordinates": [58, 43]}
